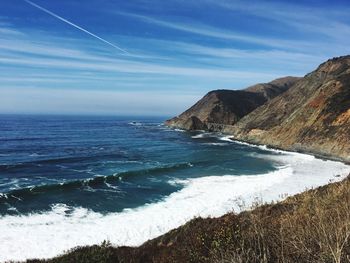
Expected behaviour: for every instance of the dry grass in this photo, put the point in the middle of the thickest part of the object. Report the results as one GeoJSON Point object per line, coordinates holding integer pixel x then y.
{"type": "Point", "coordinates": [311, 227]}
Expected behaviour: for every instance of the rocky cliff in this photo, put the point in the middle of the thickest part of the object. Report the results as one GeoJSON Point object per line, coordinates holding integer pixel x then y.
{"type": "Point", "coordinates": [229, 106]}
{"type": "Point", "coordinates": [312, 116]}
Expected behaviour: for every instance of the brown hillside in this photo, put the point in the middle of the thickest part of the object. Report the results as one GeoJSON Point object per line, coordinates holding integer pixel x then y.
{"type": "Point", "coordinates": [229, 106]}
{"type": "Point", "coordinates": [312, 116]}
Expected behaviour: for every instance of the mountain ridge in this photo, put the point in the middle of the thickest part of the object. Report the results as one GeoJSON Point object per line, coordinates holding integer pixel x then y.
{"type": "Point", "coordinates": [312, 115]}
{"type": "Point", "coordinates": [229, 106]}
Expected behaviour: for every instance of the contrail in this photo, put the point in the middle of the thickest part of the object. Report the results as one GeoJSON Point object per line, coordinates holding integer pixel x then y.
{"type": "Point", "coordinates": [74, 25]}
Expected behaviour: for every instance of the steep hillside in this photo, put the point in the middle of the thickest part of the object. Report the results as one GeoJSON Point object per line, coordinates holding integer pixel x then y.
{"type": "Point", "coordinates": [228, 106]}
{"type": "Point", "coordinates": [273, 88]}
{"type": "Point", "coordinates": [310, 227]}
{"type": "Point", "coordinates": [312, 116]}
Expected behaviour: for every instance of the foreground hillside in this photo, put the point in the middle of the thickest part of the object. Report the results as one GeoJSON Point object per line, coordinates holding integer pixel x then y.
{"type": "Point", "coordinates": [310, 227]}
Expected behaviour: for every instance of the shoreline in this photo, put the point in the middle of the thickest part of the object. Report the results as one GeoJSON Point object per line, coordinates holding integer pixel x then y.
{"type": "Point", "coordinates": [312, 153]}
{"type": "Point", "coordinates": [303, 228]}
{"type": "Point", "coordinates": [254, 143]}
{"type": "Point", "coordinates": [299, 150]}
{"type": "Point", "coordinates": [209, 183]}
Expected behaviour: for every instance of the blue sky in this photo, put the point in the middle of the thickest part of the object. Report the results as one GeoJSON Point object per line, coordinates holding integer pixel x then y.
{"type": "Point", "coordinates": [156, 57]}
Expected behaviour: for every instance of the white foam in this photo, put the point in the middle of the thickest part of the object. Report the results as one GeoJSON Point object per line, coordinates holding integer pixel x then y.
{"type": "Point", "coordinates": [134, 123]}
{"type": "Point", "coordinates": [201, 135]}
{"type": "Point", "coordinates": [232, 140]}
{"type": "Point", "coordinates": [51, 233]}
{"type": "Point", "coordinates": [262, 147]}
{"type": "Point", "coordinates": [216, 143]}
{"type": "Point", "coordinates": [178, 130]}
{"type": "Point", "coordinates": [176, 182]}
{"type": "Point", "coordinates": [226, 138]}
{"type": "Point", "coordinates": [35, 155]}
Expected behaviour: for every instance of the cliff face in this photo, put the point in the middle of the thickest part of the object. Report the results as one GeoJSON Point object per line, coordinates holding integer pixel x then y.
{"type": "Point", "coordinates": [229, 106]}
{"type": "Point", "coordinates": [312, 116]}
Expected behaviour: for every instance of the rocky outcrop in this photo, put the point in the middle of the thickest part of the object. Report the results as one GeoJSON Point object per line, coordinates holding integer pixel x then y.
{"type": "Point", "coordinates": [193, 123]}
{"type": "Point", "coordinates": [229, 106]}
{"type": "Point", "coordinates": [312, 116]}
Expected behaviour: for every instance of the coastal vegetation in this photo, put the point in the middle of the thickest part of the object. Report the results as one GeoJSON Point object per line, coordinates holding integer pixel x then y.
{"type": "Point", "coordinates": [313, 226]}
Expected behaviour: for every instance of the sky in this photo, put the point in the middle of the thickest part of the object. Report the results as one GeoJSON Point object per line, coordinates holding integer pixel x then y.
{"type": "Point", "coordinates": [156, 57]}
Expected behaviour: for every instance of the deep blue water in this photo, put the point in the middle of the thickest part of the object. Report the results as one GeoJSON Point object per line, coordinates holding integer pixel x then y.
{"type": "Point", "coordinates": [107, 164]}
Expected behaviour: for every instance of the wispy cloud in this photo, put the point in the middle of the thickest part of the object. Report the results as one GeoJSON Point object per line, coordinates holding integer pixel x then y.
{"type": "Point", "coordinates": [318, 27]}
{"type": "Point", "coordinates": [40, 54]}
{"type": "Point", "coordinates": [9, 31]}
{"type": "Point", "coordinates": [75, 25]}
{"type": "Point", "coordinates": [136, 68]}
{"type": "Point", "coordinates": [6, 29]}
{"type": "Point", "coordinates": [214, 32]}
{"type": "Point", "coordinates": [176, 52]}
{"type": "Point", "coordinates": [71, 64]}
{"type": "Point", "coordinates": [229, 53]}
{"type": "Point", "coordinates": [312, 20]}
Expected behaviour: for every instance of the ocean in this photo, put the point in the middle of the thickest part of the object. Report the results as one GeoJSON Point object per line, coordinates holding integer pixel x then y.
{"type": "Point", "coordinates": [67, 181]}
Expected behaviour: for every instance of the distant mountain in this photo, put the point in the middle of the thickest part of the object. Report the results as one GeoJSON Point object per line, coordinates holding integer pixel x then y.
{"type": "Point", "coordinates": [313, 115]}
{"type": "Point", "coordinates": [229, 106]}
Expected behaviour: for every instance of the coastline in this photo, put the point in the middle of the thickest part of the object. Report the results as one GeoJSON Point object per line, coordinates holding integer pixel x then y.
{"type": "Point", "coordinates": [175, 131]}
{"type": "Point", "coordinates": [300, 150]}
{"type": "Point", "coordinates": [212, 186]}
{"type": "Point", "coordinates": [268, 232]}
{"type": "Point", "coordinates": [316, 154]}
{"type": "Point", "coordinates": [297, 147]}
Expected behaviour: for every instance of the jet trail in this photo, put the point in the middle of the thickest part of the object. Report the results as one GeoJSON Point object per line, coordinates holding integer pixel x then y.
{"type": "Point", "coordinates": [74, 25]}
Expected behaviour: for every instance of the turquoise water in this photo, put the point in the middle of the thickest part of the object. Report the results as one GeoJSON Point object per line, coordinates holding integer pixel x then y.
{"type": "Point", "coordinates": [108, 164]}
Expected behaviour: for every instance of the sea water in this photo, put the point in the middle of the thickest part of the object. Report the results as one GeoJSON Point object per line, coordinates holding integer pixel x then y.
{"type": "Point", "coordinates": [68, 181]}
